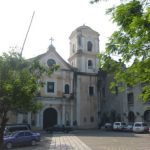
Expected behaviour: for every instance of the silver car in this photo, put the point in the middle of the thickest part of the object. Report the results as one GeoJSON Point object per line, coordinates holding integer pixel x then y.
{"type": "Point", "coordinates": [140, 127]}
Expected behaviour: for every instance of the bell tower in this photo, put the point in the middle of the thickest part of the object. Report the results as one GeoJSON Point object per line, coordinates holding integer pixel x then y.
{"type": "Point", "coordinates": [84, 46]}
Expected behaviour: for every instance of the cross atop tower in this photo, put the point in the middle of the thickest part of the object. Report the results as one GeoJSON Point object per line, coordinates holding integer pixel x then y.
{"type": "Point", "coordinates": [51, 39]}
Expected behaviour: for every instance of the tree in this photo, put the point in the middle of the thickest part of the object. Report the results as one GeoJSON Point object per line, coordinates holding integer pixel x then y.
{"type": "Point", "coordinates": [132, 44]}
{"type": "Point", "coordinates": [96, 1]}
{"type": "Point", "coordinates": [19, 84]}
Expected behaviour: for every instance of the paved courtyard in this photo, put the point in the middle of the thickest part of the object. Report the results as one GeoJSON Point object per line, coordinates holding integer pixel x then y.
{"type": "Point", "coordinates": [92, 140]}
{"type": "Point", "coordinates": [104, 140]}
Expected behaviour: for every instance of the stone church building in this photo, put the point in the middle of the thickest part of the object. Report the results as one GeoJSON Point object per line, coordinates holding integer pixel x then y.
{"type": "Point", "coordinates": [78, 93]}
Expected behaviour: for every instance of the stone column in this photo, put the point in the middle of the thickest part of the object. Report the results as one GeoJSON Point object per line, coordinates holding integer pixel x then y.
{"type": "Point", "coordinates": [71, 115]}
{"type": "Point", "coordinates": [78, 101]}
{"type": "Point", "coordinates": [29, 118]}
{"type": "Point", "coordinates": [63, 114]}
{"type": "Point", "coordinates": [19, 118]}
{"type": "Point", "coordinates": [38, 119]}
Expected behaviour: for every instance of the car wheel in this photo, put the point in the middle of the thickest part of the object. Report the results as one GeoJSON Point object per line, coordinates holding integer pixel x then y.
{"type": "Point", "coordinates": [9, 145]}
{"type": "Point", "coordinates": [33, 142]}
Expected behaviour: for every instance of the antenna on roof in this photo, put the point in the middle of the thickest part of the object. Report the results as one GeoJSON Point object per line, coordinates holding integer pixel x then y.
{"type": "Point", "coordinates": [27, 34]}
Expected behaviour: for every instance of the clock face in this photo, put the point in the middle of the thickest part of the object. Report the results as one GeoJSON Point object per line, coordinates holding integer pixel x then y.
{"type": "Point", "coordinates": [51, 62]}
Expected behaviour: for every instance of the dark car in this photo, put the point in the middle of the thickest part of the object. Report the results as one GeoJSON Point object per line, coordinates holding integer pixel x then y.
{"type": "Point", "coordinates": [59, 128]}
{"type": "Point", "coordinates": [19, 125]}
{"type": "Point", "coordinates": [108, 126]}
{"type": "Point", "coordinates": [129, 127]}
{"type": "Point", "coordinates": [68, 129]}
{"type": "Point", "coordinates": [16, 127]}
{"type": "Point", "coordinates": [56, 128]}
{"type": "Point", "coordinates": [20, 138]}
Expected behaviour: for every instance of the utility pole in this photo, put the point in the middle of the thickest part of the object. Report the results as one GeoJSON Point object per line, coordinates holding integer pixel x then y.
{"type": "Point", "coordinates": [27, 34]}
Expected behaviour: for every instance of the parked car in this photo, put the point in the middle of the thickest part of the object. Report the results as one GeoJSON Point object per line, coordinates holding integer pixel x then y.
{"type": "Point", "coordinates": [108, 126]}
{"type": "Point", "coordinates": [128, 127]}
{"type": "Point", "coordinates": [140, 127]}
{"type": "Point", "coordinates": [16, 127]}
{"type": "Point", "coordinates": [56, 128]}
{"type": "Point", "coordinates": [119, 126]}
{"type": "Point", "coordinates": [19, 138]}
{"type": "Point", "coordinates": [59, 128]}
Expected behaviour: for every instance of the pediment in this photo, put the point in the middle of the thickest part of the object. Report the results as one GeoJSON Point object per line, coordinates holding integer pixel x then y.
{"type": "Point", "coordinates": [53, 56]}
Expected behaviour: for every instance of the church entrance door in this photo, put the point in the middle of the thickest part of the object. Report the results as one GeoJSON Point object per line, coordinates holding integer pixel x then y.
{"type": "Point", "coordinates": [49, 118]}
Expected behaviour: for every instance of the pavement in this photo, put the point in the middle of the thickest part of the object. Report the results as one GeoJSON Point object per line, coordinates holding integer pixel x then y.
{"type": "Point", "coordinates": [67, 142]}
{"type": "Point", "coordinates": [99, 140]}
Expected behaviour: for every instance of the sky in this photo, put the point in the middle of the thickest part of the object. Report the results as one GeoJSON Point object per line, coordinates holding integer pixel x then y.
{"type": "Point", "coordinates": [52, 18]}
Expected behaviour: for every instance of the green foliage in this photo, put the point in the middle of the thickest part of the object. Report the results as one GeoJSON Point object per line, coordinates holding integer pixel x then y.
{"type": "Point", "coordinates": [132, 44]}
{"type": "Point", "coordinates": [94, 1]}
{"type": "Point", "coordinates": [132, 38]}
{"type": "Point", "coordinates": [20, 81]}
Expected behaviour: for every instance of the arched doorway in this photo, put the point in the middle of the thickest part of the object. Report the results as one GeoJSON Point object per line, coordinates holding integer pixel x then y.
{"type": "Point", "coordinates": [147, 116]}
{"type": "Point", "coordinates": [131, 116]}
{"type": "Point", "coordinates": [49, 117]}
{"type": "Point", "coordinates": [112, 116]}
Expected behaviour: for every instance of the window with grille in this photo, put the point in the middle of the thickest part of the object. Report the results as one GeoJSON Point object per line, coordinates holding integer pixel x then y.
{"type": "Point", "coordinates": [90, 64]}
{"type": "Point", "coordinates": [50, 87]}
{"type": "Point", "coordinates": [130, 98]}
{"type": "Point", "coordinates": [66, 89]}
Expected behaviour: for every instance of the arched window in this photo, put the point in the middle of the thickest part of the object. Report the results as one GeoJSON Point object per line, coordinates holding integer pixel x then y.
{"type": "Point", "coordinates": [147, 116]}
{"type": "Point", "coordinates": [89, 46]}
{"type": "Point", "coordinates": [90, 64]}
{"type": "Point", "coordinates": [66, 89]}
{"type": "Point", "coordinates": [131, 116]}
{"type": "Point", "coordinates": [130, 97]}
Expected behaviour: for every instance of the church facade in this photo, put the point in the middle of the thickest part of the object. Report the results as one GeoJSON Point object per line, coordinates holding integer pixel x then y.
{"type": "Point", "coordinates": [69, 96]}
{"type": "Point", "coordinates": [77, 93]}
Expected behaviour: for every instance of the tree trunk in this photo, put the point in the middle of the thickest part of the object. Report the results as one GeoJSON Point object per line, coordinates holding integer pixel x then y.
{"type": "Point", "coordinates": [4, 120]}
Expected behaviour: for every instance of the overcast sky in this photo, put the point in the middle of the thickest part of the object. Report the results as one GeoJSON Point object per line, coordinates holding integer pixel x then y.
{"type": "Point", "coordinates": [53, 18]}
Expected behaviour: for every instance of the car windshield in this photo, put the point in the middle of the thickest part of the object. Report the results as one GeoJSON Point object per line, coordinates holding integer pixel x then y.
{"type": "Point", "coordinates": [137, 125]}
{"type": "Point", "coordinates": [107, 123]}
{"type": "Point", "coordinates": [144, 124]}
{"type": "Point", "coordinates": [123, 123]}
{"type": "Point", "coordinates": [130, 125]}
{"type": "Point", "coordinates": [117, 123]}
{"type": "Point", "coordinates": [12, 133]}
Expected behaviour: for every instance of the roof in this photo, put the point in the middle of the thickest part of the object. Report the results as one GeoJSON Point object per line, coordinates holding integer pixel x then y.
{"type": "Point", "coordinates": [82, 28]}
{"type": "Point", "coordinates": [51, 48]}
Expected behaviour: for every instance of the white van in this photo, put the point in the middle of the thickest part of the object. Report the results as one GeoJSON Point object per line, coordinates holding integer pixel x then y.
{"type": "Point", "coordinates": [119, 125]}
